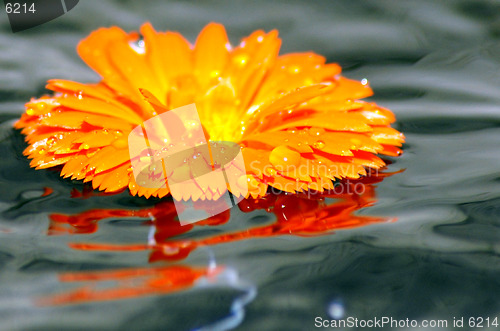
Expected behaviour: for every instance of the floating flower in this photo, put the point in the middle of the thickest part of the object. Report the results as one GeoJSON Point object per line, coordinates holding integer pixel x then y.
{"type": "Point", "coordinates": [300, 124]}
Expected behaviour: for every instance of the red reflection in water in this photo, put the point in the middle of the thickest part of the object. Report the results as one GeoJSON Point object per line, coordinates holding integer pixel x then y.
{"type": "Point", "coordinates": [130, 283]}
{"type": "Point", "coordinates": [298, 215]}
{"type": "Point", "coordinates": [47, 191]}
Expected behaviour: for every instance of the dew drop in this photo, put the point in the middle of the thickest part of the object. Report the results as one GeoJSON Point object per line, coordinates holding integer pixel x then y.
{"type": "Point", "coordinates": [270, 171]}
{"type": "Point", "coordinates": [319, 144]}
{"type": "Point", "coordinates": [241, 59]}
{"type": "Point", "coordinates": [120, 143]}
{"type": "Point", "coordinates": [247, 181]}
{"type": "Point", "coordinates": [284, 156]}
{"type": "Point", "coordinates": [316, 131]}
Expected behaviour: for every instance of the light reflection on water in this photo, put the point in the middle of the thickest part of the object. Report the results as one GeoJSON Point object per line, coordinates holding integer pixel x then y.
{"type": "Point", "coordinates": [434, 64]}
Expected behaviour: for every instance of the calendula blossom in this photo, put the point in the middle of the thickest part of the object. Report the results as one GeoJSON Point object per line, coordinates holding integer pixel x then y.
{"type": "Point", "coordinates": [299, 123]}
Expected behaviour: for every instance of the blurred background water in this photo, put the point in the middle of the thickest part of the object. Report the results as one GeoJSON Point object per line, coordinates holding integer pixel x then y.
{"type": "Point", "coordinates": [433, 251]}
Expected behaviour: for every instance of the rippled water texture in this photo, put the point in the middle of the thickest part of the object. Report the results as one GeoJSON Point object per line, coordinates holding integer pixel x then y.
{"type": "Point", "coordinates": [419, 244]}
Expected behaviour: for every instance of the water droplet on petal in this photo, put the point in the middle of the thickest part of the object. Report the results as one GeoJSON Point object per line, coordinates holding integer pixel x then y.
{"type": "Point", "coordinates": [282, 156]}
{"type": "Point", "coordinates": [120, 143]}
{"type": "Point", "coordinates": [319, 144]}
{"type": "Point", "coordinates": [316, 131]}
{"type": "Point", "coordinates": [247, 181]}
{"type": "Point", "coordinates": [268, 171]}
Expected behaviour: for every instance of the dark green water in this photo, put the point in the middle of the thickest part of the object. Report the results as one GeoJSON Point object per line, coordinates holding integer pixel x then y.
{"type": "Point", "coordinates": [436, 64]}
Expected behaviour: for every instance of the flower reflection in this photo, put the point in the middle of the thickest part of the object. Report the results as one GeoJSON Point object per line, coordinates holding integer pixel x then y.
{"type": "Point", "coordinates": [295, 214]}
{"type": "Point", "coordinates": [130, 283]}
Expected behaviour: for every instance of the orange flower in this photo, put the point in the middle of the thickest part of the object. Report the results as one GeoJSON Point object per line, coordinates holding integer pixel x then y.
{"type": "Point", "coordinates": [298, 121]}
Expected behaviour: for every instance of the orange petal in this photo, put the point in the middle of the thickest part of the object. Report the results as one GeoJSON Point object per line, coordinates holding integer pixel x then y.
{"type": "Point", "coordinates": [211, 53]}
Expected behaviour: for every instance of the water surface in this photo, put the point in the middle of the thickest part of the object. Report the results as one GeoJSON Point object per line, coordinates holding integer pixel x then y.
{"type": "Point", "coordinates": [425, 242]}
